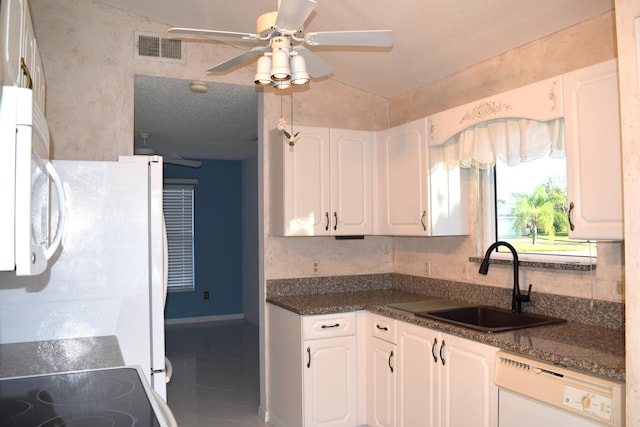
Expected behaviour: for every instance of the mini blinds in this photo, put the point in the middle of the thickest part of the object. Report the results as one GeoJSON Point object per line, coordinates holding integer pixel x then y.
{"type": "Point", "coordinates": [178, 214]}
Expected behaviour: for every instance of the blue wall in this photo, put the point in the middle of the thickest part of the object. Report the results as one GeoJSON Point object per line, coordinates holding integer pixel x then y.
{"type": "Point", "coordinates": [218, 241]}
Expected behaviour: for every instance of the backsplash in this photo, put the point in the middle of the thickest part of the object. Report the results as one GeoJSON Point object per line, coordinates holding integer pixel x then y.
{"type": "Point", "coordinates": [582, 310]}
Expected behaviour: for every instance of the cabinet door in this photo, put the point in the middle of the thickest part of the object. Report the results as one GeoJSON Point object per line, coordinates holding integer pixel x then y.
{"type": "Point", "coordinates": [352, 186]}
{"type": "Point", "coordinates": [468, 391]}
{"type": "Point", "coordinates": [594, 166]}
{"type": "Point", "coordinates": [403, 169]}
{"type": "Point", "coordinates": [330, 382]}
{"type": "Point", "coordinates": [306, 183]}
{"type": "Point", "coordinates": [418, 374]}
{"type": "Point", "coordinates": [381, 383]}
{"type": "Point", "coordinates": [12, 37]}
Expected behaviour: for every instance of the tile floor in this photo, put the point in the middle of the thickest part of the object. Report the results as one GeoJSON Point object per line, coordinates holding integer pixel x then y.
{"type": "Point", "coordinates": [215, 374]}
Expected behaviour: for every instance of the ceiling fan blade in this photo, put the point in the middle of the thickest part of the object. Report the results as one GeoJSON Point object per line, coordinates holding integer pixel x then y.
{"type": "Point", "coordinates": [214, 33]}
{"type": "Point", "coordinates": [236, 60]}
{"type": "Point", "coordinates": [183, 162]}
{"type": "Point", "coordinates": [376, 38]}
{"type": "Point", "coordinates": [293, 13]}
{"type": "Point", "coordinates": [315, 65]}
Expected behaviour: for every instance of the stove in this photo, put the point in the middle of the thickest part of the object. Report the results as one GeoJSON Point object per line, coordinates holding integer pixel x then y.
{"type": "Point", "coordinates": [114, 397]}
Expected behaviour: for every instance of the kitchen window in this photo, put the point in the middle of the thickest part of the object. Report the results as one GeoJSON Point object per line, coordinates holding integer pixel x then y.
{"type": "Point", "coordinates": [530, 210]}
{"type": "Point", "coordinates": [178, 203]}
{"type": "Point", "coordinates": [521, 174]}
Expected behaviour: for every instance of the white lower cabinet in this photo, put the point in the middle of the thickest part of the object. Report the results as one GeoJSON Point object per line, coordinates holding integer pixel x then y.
{"type": "Point", "coordinates": [421, 377]}
{"type": "Point", "coordinates": [312, 369]}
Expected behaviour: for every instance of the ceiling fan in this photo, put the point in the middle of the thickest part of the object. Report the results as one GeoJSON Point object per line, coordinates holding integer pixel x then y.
{"type": "Point", "coordinates": [166, 158]}
{"type": "Point", "coordinates": [284, 60]}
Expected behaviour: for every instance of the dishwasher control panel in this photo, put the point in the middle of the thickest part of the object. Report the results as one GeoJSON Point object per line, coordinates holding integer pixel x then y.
{"type": "Point", "coordinates": [595, 398]}
{"type": "Point", "coordinates": [596, 404]}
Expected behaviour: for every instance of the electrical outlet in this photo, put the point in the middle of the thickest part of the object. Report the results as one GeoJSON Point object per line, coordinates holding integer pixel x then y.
{"type": "Point", "coordinates": [620, 287]}
{"type": "Point", "coordinates": [206, 294]}
{"type": "Point", "coordinates": [427, 268]}
{"type": "Point", "coordinates": [316, 267]}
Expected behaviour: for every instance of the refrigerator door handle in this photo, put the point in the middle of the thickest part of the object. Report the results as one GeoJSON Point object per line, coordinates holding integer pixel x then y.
{"type": "Point", "coordinates": [49, 251]}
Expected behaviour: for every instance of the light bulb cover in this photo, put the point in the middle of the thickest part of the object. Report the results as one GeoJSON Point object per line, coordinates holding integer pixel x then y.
{"type": "Point", "coordinates": [263, 72]}
{"type": "Point", "coordinates": [282, 84]}
{"type": "Point", "coordinates": [299, 73]}
{"type": "Point", "coordinates": [280, 65]}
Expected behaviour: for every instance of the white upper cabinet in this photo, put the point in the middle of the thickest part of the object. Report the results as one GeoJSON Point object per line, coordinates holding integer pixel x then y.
{"type": "Point", "coordinates": [322, 185]}
{"type": "Point", "coordinates": [22, 65]}
{"type": "Point", "coordinates": [594, 164]}
{"type": "Point", "coordinates": [414, 198]}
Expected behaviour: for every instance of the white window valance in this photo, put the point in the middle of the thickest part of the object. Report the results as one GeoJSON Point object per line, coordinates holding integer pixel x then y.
{"type": "Point", "coordinates": [513, 140]}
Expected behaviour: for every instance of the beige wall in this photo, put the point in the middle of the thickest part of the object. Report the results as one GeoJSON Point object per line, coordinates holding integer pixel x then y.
{"type": "Point", "coordinates": [584, 44]}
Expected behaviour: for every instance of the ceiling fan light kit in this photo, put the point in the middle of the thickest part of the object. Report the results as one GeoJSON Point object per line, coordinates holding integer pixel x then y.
{"type": "Point", "coordinates": [280, 69]}
{"type": "Point", "coordinates": [280, 63]}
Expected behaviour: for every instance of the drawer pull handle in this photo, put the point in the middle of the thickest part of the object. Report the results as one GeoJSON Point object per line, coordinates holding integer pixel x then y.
{"type": "Point", "coordinates": [309, 355]}
{"type": "Point", "coordinates": [337, 325]}
{"type": "Point", "coordinates": [382, 328]}
{"type": "Point", "coordinates": [390, 356]}
{"type": "Point", "coordinates": [27, 74]}
{"type": "Point", "coordinates": [326, 214]}
{"type": "Point", "coordinates": [424, 216]}
{"type": "Point", "coordinates": [441, 349]}
{"type": "Point", "coordinates": [570, 215]}
{"type": "Point", "coordinates": [433, 350]}
{"type": "Point", "coordinates": [335, 216]}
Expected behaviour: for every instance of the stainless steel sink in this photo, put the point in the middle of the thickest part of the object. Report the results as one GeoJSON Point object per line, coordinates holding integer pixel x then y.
{"type": "Point", "coordinates": [489, 319]}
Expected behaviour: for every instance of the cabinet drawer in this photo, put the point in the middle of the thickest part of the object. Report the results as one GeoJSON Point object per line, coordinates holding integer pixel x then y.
{"type": "Point", "coordinates": [328, 325]}
{"type": "Point", "coordinates": [382, 327]}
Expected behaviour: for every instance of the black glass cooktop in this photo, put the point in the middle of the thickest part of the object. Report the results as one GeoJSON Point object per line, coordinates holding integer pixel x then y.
{"type": "Point", "coordinates": [101, 398]}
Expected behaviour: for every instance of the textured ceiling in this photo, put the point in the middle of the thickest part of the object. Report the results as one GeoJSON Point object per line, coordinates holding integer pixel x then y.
{"type": "Point", "coordinates": [432, 39]}
{"type": "Point", "coordinates": [219, 124]}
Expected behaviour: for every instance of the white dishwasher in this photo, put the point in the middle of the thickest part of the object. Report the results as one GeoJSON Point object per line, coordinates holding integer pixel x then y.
{"type": "Point", "coordinates": [533, 393]}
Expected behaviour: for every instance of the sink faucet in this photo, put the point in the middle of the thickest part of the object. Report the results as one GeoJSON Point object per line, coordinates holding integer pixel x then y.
{"type": "Point", "coordinates": [517, 298]}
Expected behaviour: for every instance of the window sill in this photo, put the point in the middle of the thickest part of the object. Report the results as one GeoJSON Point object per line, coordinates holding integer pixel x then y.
{"type": "Point", "coordinates": [548, 264]}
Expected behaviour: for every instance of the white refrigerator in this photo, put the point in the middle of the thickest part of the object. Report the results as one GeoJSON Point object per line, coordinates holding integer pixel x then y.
{"type": "Point", "coordinates": [108, 277]}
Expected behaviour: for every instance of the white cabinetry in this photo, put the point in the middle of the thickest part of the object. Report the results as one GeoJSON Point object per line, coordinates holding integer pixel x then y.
{"type": "Point", "coordinates": [22, 65]}
{"type": "Point", "coordinates": [323, 184]}
{"type": "Point", "coordinates": [412, 200]}
{"type": "Point", "coordinates": [418, 376]}
{"type": "Point", "coordinates": [312, 369]}
{"type": "Point", "coordinates": [594, 164]}
{"type": "Point", "coordinates": [381, 371]}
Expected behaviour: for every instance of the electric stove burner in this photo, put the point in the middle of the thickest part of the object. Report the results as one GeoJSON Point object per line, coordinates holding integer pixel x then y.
{"type": "Point", "coordinates": [85, 389]}
{"type": "Point", "coordinates": [13, 408]}
{"type": "Point", "coordinates": [93, 419]}
{"type": "Point", "coordinates": [101, 398]}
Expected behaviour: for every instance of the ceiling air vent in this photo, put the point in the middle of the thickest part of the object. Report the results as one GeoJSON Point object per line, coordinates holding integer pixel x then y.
{"type": "Point", "coordinates": [157, 47]}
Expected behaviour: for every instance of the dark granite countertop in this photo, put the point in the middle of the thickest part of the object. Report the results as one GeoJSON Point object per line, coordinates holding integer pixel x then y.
{"type": "Point", "coordinates": [591, 349]}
